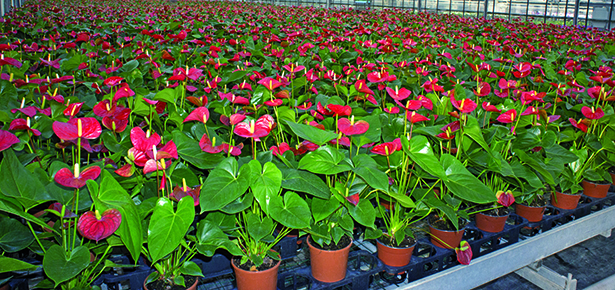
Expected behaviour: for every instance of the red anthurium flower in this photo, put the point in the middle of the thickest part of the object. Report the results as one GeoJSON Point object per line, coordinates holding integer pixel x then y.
{"type": "Point", "coordinates": [7, 139]}
{"type": "Point", "coordinates": [464, 106]}
{"type": "Point", "coordinates": [531, 110]}
{"type": "Point", "coordinates": [251, 130]}
{"type": "Point", "coordinates": [425, 102]}
{"type": "Point", "coordinates": [87, 128]}
{"type": "Point", "coordinates": [270, 83]}
{"type": "Point", "coordinates": [56, 206]}
{"type": "Point", "coordinates": [354, 199]}
{"type": "Point", "coordinates": [116, 123]}
{"type": "Point", "coordinates": [123, 92]}
{"type": "Point", "coordinates": [209, 146]}
{"type": "Point", "coordinates": [344, 141]}
{"type": "Point", "coordinates": [411, 105]}
{"type": "Point", "coordinates": [398, 94]}
{"type": "Point", "coordinates": [279, 150]}
{"type": "Point", "coordinates": [76, 179]}
{"type": "Point", "coordinates": [432, 85]}
{"type": "Point", "coordinates": [483, 89]}
{"type": "Point", "coordinates": [392, 110]}
{"type": "Point", "coordinates": [293, 68]}
{"type": "Point", "coordinates": [23, 124]}
{"type": "Point", "coordinates": [350, 127]}
{"type": "Point", "coordinates": [507, 117]}
{"type": "Point", "coordinates": [387, 148]}
{"type": "Point", "coordinates": [487, 106]}
{"type": "Point", "coordinates": [73, 109]}
{"type": "Point", "coordinates": [464, 253]}
{"type": "Point", "coordinates": [95, 226]}
{"type": "Point", "coordinates": [198, 101]}
{"type": "Point", "coordinates": [143, 141]}
{"type": "Point", "coordinates": [10, 61]}
{"type": "Point", "coordinates": [180, 192]}
{"type": "Point", "coordinates": [274, 103]}
{"type": "Point", "coordinates": [588, 112]}
{"type": "Point", "coordinates": [125, 171]}
{"type": "Point", "coordinates": [340, 110]}
{"type": "Point", "coordinates": [579, 125]}
{"type": "Point", "coordinates": [449, 129]}
{"type": "Point", "coordinates": [28, 111]}
{"type": "Point", "coordinates": [505, 198]}
{"type": "Point", "coordinates": [415, 117]}
{"type": "Point", "coordinates": [113, 81]}
{"type": "Point", "coordinates": [361, 87]}
{"type": "Point", "coordinates": [235, 150]}
{"type": "Point", "coordinates": [528, 97]}
{"type": "Point", "coordinates": [200, 114]}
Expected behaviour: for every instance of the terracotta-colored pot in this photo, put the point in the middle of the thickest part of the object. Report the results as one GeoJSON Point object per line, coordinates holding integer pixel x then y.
{"type": "Point", "coordinates": [393, 256]}
{"type": "Point", "coordinates": [328, 266]}
{"type": "Point", "coordinates": [596, 190]}
{"type": "Point", "coordinates": [193, 287]}
{"type": "Point", "coordinates": [533, 214]}
{"type": "Point", "coordinates": [446, 239]}
{"type": "Point", "coordinates": [5, 287]}
{"type": "Point", "coordinates": [564, 200]}
{"type": "Point", "coordinates": [490, 223]}
{"type": "Point", "coordinates": [266, 280]}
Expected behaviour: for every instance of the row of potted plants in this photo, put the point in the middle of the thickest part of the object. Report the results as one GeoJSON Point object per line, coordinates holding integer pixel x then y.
{"type": "Point", "coordinates": [171, 131]}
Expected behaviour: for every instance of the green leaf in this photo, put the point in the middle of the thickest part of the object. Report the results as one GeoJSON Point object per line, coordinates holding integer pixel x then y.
{"type": "Point", "coordinates": [367, 168]}
{"type": "Point", "coordinates": [111, 194]}
{"type": "Point", "coordinates": [472, 130]}
{"type": "Point", "coordinates": [257, 228]}
{"type": "Point", "coordinates": [130, 66]}
{"type": "Point", "coordinates": [419, 150]}
{"type": "Point", "coordinates": [167, 227]}
{"type": "Point", "coordinates": [311, 133]}
{"type": "Point", "coordinates": [61, 266]}
{"type": "Point", "coordinates": [293, 212]}
{"type": "Point", "coordinates": [10, 265]}
{"type": "Point", "coordinates": [364, 213]}
{"type": "Point", "coordinates": [14, 236]}
{"type": "Point", "coordinates": [189, 150]}
{"type": "Point", "coordinates": [559, 152]}
{"type": "Point", "coordinates": [463, 184]}
{"type": "Point", "coordinates": [236, 76]}
{"type": "Point", "coordinates": [224, 184]}
{"type": "Point", "coordinates": [166, 95]}
{"type": "Point", "coordinates": [324, 160]}
{"type": "Point", "coordinates": [19, 183]}
{"type": "Point", "coordinates": [535, 164]}
{"type": "Point", "coordinates": [191, 268]}
{"type": "Point", "coordinates": [303, 181]}
{"type": "Point", "coordinates": [11, 208]}
{"type": "Point", "coordinates": [266, 182]}
{"type": "Point", "coordinates": [322, 208]}
{"type": "Point", "coordinates": [210, 237]}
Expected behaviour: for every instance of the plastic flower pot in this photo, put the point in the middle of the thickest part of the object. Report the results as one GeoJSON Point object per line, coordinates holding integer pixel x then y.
{"type": "Point", "coordinates": [444, 238]}
{"type": "Point", "coordinates": [328, 266]}
{"type": "Point", "coordinates": [193, 287]}
{"type": "Point", "coordinates": [532, 214]}
{"type": "Point", "coordinates": [266, 279]}
{"type": "Point", "coordinates": [490, 223]}
{"type": "Point", "coordinates": [596, 190]}
{"type": "Point", "coordinates": [565, 200]}
{"type": "Point", "coordinates": [394, 256]}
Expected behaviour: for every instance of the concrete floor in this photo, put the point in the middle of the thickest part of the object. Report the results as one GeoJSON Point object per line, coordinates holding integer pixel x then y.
{"type": "Point", "coordinates": [588, 262]}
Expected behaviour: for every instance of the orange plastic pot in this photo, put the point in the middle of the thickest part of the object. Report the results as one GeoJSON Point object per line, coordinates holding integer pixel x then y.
{"type": "Point", "coordinates": [595, 190]}
{"type": "Point", "coordinates": [490, 223]}
{"type": "Point", "coordinates": [564, 200]}
{"type": "Point", "coordinates": [266, 280]}
{"type": "Point", "coordinates": [193, 287]}
{"type": "Point", "coordinates": [393, 256]}
{"type": "Point", "coordinates": [445, 239]}
{"type": "Point", "coordinates": [533, 214]}
{"type": "Point", "coordinates": [328, 266]}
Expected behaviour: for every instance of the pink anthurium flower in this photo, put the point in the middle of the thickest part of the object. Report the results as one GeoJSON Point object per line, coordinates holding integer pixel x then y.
{"type": "Point", "coordinates": [354, 199]}
{"type": "Point", "coordinates": [251, 130]}
{"type": "Point", "coordinates": [143, 141]}
{"type": "Point", "coordinates": [209, 146]}
{"type": "Point", "coordinates": [387, 148]}
{"type": "Point", "coordinates": [95, 226]}
{"type": "Point", "coordinates": [125, 171]}
{"type": "Point", "coordinates": [464, 253]}
{"type": "Point", "coordinates": [180, 192]}
{"type": "Point", "coordinates": [592, 113]}
{"type": "Point", "coordinates": [508, 116]}
{"type": "Point", "coordinates": [340, 110]}
{"type": "Point", "coordinates": [581, 125]}
{"type": "Point", "coordinates": [200, 114]}
{"type": "Point", "coordinates": [7, 139]}
{"type": "Point", "coordinates": [350, 127]}
{"type": "Point", "coordinates": [279, 150]}
{"type": "Point", "coordinates": [415, 117]}
{"type": "Point", "coordinates": [483, 89]}
{"type": "Point", "coordinates": [398, 94]}
{"type": "Point", "coordinates": [73, 109]}
{"type": "Point", "coordinates": [23, 124]}
{"type": "Point", "coordinates": [270, 83]}
{"type": "Point", "coordinates": [464, 106]}
{"type": "Point", "coordinates": [505, 198]}
{"type": "Point", "coordinates": [76, 179]}
{"type": "Point", "coordinates": [487, 106]}
{"type": "Point", "coordinates": [87, 128]}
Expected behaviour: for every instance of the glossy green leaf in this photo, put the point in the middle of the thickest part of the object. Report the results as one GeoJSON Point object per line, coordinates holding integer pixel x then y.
{"type": "Point", "coordinates": [303, 181]}
{"type": "Point", "coordinates": [322, 208]}
{"type": "Point", "coordinates": [324, 160]}
{"type": "Point", "coordinates": [464, 184]}
{"type": "Point", "coordinates": [266, 182]}
{"type": "Point", "coordinates": [312, 133]}
{"type": "Point", "coordinates": [224, 184]}
{"type": "Point", "coordinates": [10, 265]}
{"type": "Point", "coordinates": [419, 150]}
{"type": "Point", "coordinates": [364, 213]}
{"type": "Point", "coordinates": [293, 212]}
{"type": "Point", "coordinates": [367, 169]}
{"type": "Point", "coordinates": [60, 266]}
{"type": "Point", "coordinates": [19, 183]}
{"type": "Point", "coordinates": [14, 236]}
{"type": "Point", "coordinates": [168, 226]}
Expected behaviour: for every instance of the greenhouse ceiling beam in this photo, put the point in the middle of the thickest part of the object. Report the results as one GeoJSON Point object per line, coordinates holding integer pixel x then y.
{"type": "Point", "coordinates": [521, 254]}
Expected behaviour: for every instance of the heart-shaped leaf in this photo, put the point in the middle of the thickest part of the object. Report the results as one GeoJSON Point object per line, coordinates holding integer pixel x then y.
{"type": "Point", "coordinates": [324, 160]}
{"type": "Point", "coordinates": [293, 212]}
{"type": "Point", "coordinates": [311, 133]}
{"type": "Point", "coordinates": [224, 184]}
{"type": "Point", "coordinates": [258, 228]}
{"type": "Point", "coordinates": [303, 181]}
{"type": "Point", "coordinates": [463, 184]}
{"type": "Point", "coordinates": [266, 182]}
{"type": "Point", "coordinates": [14, 236]}
{"type": "Point", "coordinates": [61, 266]}
{"type": "Point", "coordinates": [168, 227]}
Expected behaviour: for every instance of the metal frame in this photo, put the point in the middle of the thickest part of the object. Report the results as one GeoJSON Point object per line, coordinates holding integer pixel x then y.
{"type": "Point", "coordinates": [519, 255]}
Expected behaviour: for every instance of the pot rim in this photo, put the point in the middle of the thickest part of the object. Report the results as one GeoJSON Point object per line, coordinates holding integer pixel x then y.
{"type": "Point", "coordinates": [236, 268]}
{"type": "Point", "coordinates": [544, 206]}
{"type": "Point", "coordinates": [506, 215]}
{"type": "Point", "coordinates": [568, 194]}
{"type": "Point", "coordinates": [597, 183]}
{"type": "Point", "coordinates": [400, 248]}
{"type": "Point", "coordinates": [459, 230]}
{"type": "Point", "coordinates": [344, 248]}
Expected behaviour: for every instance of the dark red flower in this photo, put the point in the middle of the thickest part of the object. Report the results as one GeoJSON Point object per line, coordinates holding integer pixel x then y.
{"type": "Point", "coordinates": [270, 83]}
{"type": "Point", "coordinates": [113, 81]}
{"type": "Point", "coordinates": [95, 226]}
{"type": "Point", "coordinates": [209, 146]}
{"type": "Point", "coordinates": [76, 179]}
{"type": "Point", "coordinates": [505, 198]}
{"type": "Point", "coordinates": [180, 192]}
{"type": "Point", "coordinates": [200, 114]}
{"type": "Point", "coordinates": [487, 106]}
{"type": "Point", "coordinates": [482, 89]}
{"type": "Point", "coordinates": [592, 113]}
{"type": "Point", "coordinates": [387, 148]}
{"type": "Point", "coordinates": [23, 124]}
{"type": "Point", "coordinates": [581, 125]}
{"type": "Point", "coordinates": [7, 139]}
{"type": "Point", "coordinates": [354, 199]}
{"type": "Point", "coordinates": [87, 128]}
{"type": "Point", "coordinates": [507, 117]}
{"type": "Point", "coordinates": [464, 253]}
{"type": "Point", "coordinates": [415, 117]}
{"type": "Point", "coordinates": [464, 106]}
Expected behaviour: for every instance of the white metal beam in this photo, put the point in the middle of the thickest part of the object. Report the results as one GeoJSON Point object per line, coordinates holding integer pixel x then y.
{"type": "Point", "coordinates": [521, 254]}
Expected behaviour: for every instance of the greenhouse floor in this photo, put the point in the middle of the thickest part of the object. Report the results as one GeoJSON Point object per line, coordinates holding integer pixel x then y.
{"type": "Point", "coordinates": [588, 262]}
